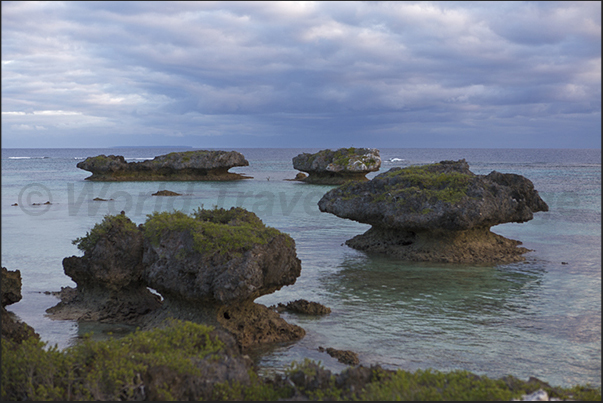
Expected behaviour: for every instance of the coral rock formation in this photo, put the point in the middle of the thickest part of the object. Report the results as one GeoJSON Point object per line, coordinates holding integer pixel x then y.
{"type": "Point", "coordinates": [199, 165]}
{"type": "Point", "coordinates": [208, 267]}
{"type": "Point", "coordinates": [108, 277]}
{"type": "Point", "coordinates": [329, 167]}
{"type": "Point", "coordinates": [438, 212]}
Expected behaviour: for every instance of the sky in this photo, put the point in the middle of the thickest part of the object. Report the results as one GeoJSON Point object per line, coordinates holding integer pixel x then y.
{"type": "Point", "coordinates": [301, 74]}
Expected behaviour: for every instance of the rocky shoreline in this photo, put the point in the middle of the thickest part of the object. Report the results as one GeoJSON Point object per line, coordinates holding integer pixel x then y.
{"type": "Point", "coordinates": [193, 345]}
{"type": "Point", "coordinates": [188, 283]}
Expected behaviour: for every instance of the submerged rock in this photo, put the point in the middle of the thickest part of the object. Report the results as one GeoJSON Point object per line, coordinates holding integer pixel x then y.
{"type": "Point", "coordinates": [438, 212]}
{"type": "Point", "coordinates": [208, 267]}
{"type": "Point", "coordinates": [346, 357]}
{"type": "Point", "coordinates": [166, 193]}
{"type": "Point", "coordinates": [199, 165]}
{"type": "Point", "coordinates": [305, 307]}
{"type": "Point", "coordinates": [329, 167]}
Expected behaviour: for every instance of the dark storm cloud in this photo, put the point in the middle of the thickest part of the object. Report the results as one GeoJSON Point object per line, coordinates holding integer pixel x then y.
{"type": "Point", "coordinates": [420, 74]}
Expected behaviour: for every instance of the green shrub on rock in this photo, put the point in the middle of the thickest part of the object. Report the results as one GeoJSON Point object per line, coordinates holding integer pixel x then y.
{"type": "Point", "coordinates": [87, 242]}
{"type": "Point", "coordinates": [218, 231]}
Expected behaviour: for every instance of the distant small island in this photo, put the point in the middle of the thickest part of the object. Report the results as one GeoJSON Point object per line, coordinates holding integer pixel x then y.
{"type": "Point", "coordinates": [198, 165]}
{"type": "Point", "coordinates": [151, 147]}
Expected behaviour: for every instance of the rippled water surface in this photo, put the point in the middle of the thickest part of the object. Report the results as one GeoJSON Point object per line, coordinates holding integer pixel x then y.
{"type": "Point", "coordinates": [537, 318]}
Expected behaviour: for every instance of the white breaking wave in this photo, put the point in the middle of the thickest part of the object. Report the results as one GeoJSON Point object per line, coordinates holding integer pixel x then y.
{"type": "Point", "coordinates": [27, 158]}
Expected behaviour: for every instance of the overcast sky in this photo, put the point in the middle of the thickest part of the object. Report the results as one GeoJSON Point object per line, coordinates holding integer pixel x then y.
{"type": "Point", "coordinates": [301, 74]}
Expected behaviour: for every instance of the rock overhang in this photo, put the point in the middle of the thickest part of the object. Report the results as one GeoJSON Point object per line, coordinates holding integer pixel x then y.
{"type": "Point", "coordinates": [445, 195]}
{"type": "Point", "coordinates": [437, 212]}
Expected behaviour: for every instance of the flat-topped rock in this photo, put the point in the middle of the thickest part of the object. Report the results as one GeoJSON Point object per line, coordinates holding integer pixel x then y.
{"type": "Point", "coordinates": [437, 212]}
{"type": "Point", "coordinates": [199, 165]}
{"type": "Point", "coordinates": [329, 167]}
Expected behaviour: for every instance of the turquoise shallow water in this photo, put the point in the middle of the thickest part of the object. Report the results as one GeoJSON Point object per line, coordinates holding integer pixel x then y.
{"type": "Point", "coordinates": [539, 318]}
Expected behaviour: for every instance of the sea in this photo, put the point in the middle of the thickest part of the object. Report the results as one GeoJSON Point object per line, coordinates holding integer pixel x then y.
{"type": "Point", "coordinates": [539, 318]}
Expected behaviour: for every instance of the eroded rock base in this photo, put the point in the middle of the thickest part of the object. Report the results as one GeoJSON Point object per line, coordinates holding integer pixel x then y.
{"type": "Point", "coordinates": [249, 323]}
{"type": "Point", "coordinates": [478, 245]}
{"type": "Point", "coordinates": [182, 175]}
{"type": "Point", "coordinates": [333, 178]}
{"type": "Point", "coordinates": [130, 306]}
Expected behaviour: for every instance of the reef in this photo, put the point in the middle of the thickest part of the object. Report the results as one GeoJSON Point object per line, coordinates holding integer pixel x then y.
{"type": "Point", "coordinates": [166, 193]}
{"type": "Point", "coordinates": [208, 267]}
{"type": "Point", "coordinates": [439, 212]}
{"type": "Point", "coordinates": [304, 307]}
{"type": "Point", "coordinates": [198, 165]}
{"type": "Point", "coordinates": [328, 167]}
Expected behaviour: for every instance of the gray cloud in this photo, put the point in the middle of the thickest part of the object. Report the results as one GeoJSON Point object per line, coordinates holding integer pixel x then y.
{"type": "Point", "coordinates": [421, 74]}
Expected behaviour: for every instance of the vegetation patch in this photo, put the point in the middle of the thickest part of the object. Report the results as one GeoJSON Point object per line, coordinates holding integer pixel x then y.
{"type": "Point", "coordinates": [107, 370]}
{"type": "Point", "coordinates": [422, 183]}
{"type": "Point", "coordinates": [185, 156]}
{"type": "Point", "coordinates": [115, 369]}
{"type": "Point", "coordinates": [220, 231]}
{"type": "Point", "coordinates": [87, 242]}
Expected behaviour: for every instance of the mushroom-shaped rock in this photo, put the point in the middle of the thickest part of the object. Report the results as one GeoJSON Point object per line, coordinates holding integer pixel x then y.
{"type": "Point", "coordinates": [199, 165]}
{"type": "Point", "coordinates": [208, 266]}
{"type": "Point", "coordinates": [211, 265]}
{"type": "Point", "coordinates": [110, 286]}
{"type": "Point", "coordinates": [329, 167]}
{"type": "Point", "coordinates": [437, 212]}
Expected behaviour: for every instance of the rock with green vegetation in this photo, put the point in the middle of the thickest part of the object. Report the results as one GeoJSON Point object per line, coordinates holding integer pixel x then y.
{"type": "Point", "coordinates": [208, 266]}
{"type": "Point", "coordinates": [110, 286]}
{"type": "Point", "coordinates": [199, 165]}
{"type": "Point", "coordinates": [12, 328]}
{"type": "Point", "coordinates": [227, 256]}
{"type": "Point", "coordinates": [212, 264]}
{"type": "Point", "coordinates": [329, 167]}
{"type": "Point", "coordinates": [437, 212]}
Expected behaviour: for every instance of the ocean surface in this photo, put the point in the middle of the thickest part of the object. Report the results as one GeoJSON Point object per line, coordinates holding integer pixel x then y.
{"type": "Point", "coordinates": [541, 317]}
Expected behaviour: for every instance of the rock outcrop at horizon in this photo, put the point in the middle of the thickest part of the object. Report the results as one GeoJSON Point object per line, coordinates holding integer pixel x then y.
{"type": "Point", "coordinates": [328, 167]}
{"type": "Point", "coordinates": [439, 212]}
{"type": "Point", "coordinates": [199, 165]}
{"type": "Point", "coordinates": [209, 267]}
